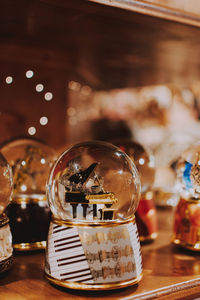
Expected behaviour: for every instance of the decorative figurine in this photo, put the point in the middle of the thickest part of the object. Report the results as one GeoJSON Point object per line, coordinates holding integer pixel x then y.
{"type": "Point", "coordinates": [28, 211]}
{"type": "Point", "coordinates": [146, 216]}
{"type": "Point", "coordinates": [93, 191]}
{"type": "Point", "coordinates": [187, 214]}
{"type": "Point", "coordinates": [6, 250]}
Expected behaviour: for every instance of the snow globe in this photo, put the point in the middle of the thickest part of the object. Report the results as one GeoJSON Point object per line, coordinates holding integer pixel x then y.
{"type": "Point", "coordinates": [146, 216]}
{"type": "Point", "coordinates": [6, 250]}
{"type": "Point", "coordinates": [28, 211]}
{"type": "Point", "coordinates": [187, 214]}
{"type": "Point", "coordinates": [93, 191]}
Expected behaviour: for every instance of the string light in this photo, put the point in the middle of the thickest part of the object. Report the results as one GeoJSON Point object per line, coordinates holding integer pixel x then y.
{"type": "Point", "coordinates": [43, 161]}
{"type": "Point", "coordinates": [29, 74]}
{"type": "Point", "coordinates": [9, 79]}
{"type": "Point", "coordinates": [32, 130]}
{"type": "Point", "coordinates": [141, 161]}
{"type": "Point", "coordinates": [48, 96]}
{"type": "Point", "coordinates": [39, 87]}
{"type": "Point", "coordinates": [43, 121]}
{"type": "Point", "coordinates": [23, 187]}
{"type": "Point", "coordinates": [86, 90]}
{"type": "Point", "coordinates": [23, 163]}
{"type": "Point", "coordinates": [71, 111]}
{"type": "Point", "coordinates": [74, 86]}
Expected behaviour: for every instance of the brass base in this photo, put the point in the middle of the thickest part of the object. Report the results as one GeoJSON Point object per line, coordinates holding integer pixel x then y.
{"type": "Point", "coordinates": [30, 246]}
{"type": "Point", "coordinates": [29, 199]}
{"type": "Point", "coordinates": [94, 287]}
{"type": "Point", "coordinates": [93, 224]}
{"type": "Point", "coordinates": [195, 247]}
{"type": "Point", "coordinates": [6, 264]}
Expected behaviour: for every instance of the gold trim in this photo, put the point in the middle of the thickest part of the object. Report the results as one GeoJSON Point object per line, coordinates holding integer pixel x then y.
{"type": "Point", "coordinates": [111, 196]}
{"type": "Point", "coordinates": [4, 220]}
{"type": "Point", "coordinates": [94, 224]}
{"type": "Point", "coordinates": [101, 198]}
{"type": "Point", "coordinates": [94, 287]}
{"type": "Point", "coordinates": [20, 200]}
{"type": "Point", "coordinates": [194, 247]}
{"type": "Point", "coordinates": [191, 200]}
{"type": "Point", "coordinates": [30, 246]}
{"type": "Point", "coordinates": [150, 237]}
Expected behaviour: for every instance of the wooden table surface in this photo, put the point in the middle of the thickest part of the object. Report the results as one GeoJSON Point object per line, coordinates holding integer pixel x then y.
{"type": "Point", "coordinates": [168, 273]}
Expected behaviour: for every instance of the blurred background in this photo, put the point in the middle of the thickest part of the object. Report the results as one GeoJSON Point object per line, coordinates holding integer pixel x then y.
{"type": "Point", "coordinates": [78, 70]}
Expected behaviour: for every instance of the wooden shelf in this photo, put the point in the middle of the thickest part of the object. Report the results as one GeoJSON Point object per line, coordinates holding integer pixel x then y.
{"type": "Point", "coordinates": [103, 46]}
{"type": "Point", "coordinates": [169, 273]}
{"type": "Point", "coordinates": [187, 12]}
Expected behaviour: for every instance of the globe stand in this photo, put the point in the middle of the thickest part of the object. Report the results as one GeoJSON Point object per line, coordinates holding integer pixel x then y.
{"type": "Point", "coordinates": [186, 224]}
{"type": "Point", "coordinates": [93, 256]}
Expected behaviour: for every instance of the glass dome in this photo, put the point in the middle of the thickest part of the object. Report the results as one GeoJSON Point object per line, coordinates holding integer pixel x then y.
{"type": "Point", "coordinates": [143, 160]}
{"type": "Point", "coordinates": [93, 182]}
{"type": "Point", "coordinates": [188, 172]}
{"type": "Point", "coordinates": [30, 160]}
{"type": "Point", "coordinates": [5, 183]}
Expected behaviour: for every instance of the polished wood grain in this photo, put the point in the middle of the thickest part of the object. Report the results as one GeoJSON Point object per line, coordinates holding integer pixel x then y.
{"type": "Point", "coordinates": [169, 273]}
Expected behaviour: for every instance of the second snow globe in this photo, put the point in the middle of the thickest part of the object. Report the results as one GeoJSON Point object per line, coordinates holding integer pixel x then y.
{"type": "Point", "coordinates": [93, 191]}
{"type": "Point", "coordinates": [187, 214]}
{"type": "Point", "coordinates": [146, 215]}
{"type": "Point", "coordinates": [28, 211]}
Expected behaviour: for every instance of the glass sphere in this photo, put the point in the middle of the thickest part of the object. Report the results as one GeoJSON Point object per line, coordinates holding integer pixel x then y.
{"type": "Point", "coordinates": [93, 182]}
{"type": "Point", "coordinates": [188, 172]}
{"type": "Point", "coordinates": [143, 160]}
{"type": "Point", "coordinates": [30, 161]}
{"type": "Point", "coordinates": [5, 183]}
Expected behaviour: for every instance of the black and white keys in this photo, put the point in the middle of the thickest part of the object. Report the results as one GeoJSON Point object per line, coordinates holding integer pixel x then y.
{"type": "Point", "coordinates": [66, 255]}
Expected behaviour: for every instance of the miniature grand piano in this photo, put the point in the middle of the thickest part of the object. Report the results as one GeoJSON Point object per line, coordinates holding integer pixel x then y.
{"type": "Point", "coordinates": [87, 191]}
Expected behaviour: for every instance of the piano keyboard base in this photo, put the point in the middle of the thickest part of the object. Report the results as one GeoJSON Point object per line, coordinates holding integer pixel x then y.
{"type": "Point", "coordinates": [93, 257]}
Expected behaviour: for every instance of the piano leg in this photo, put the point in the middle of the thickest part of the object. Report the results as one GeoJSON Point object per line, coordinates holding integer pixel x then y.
{"type": "Point", "coordinates": [74, 208]}
{"type": "Point", "coordinates": [94, 211]}
{"type": "Point", "coordinates": [85, 206]}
